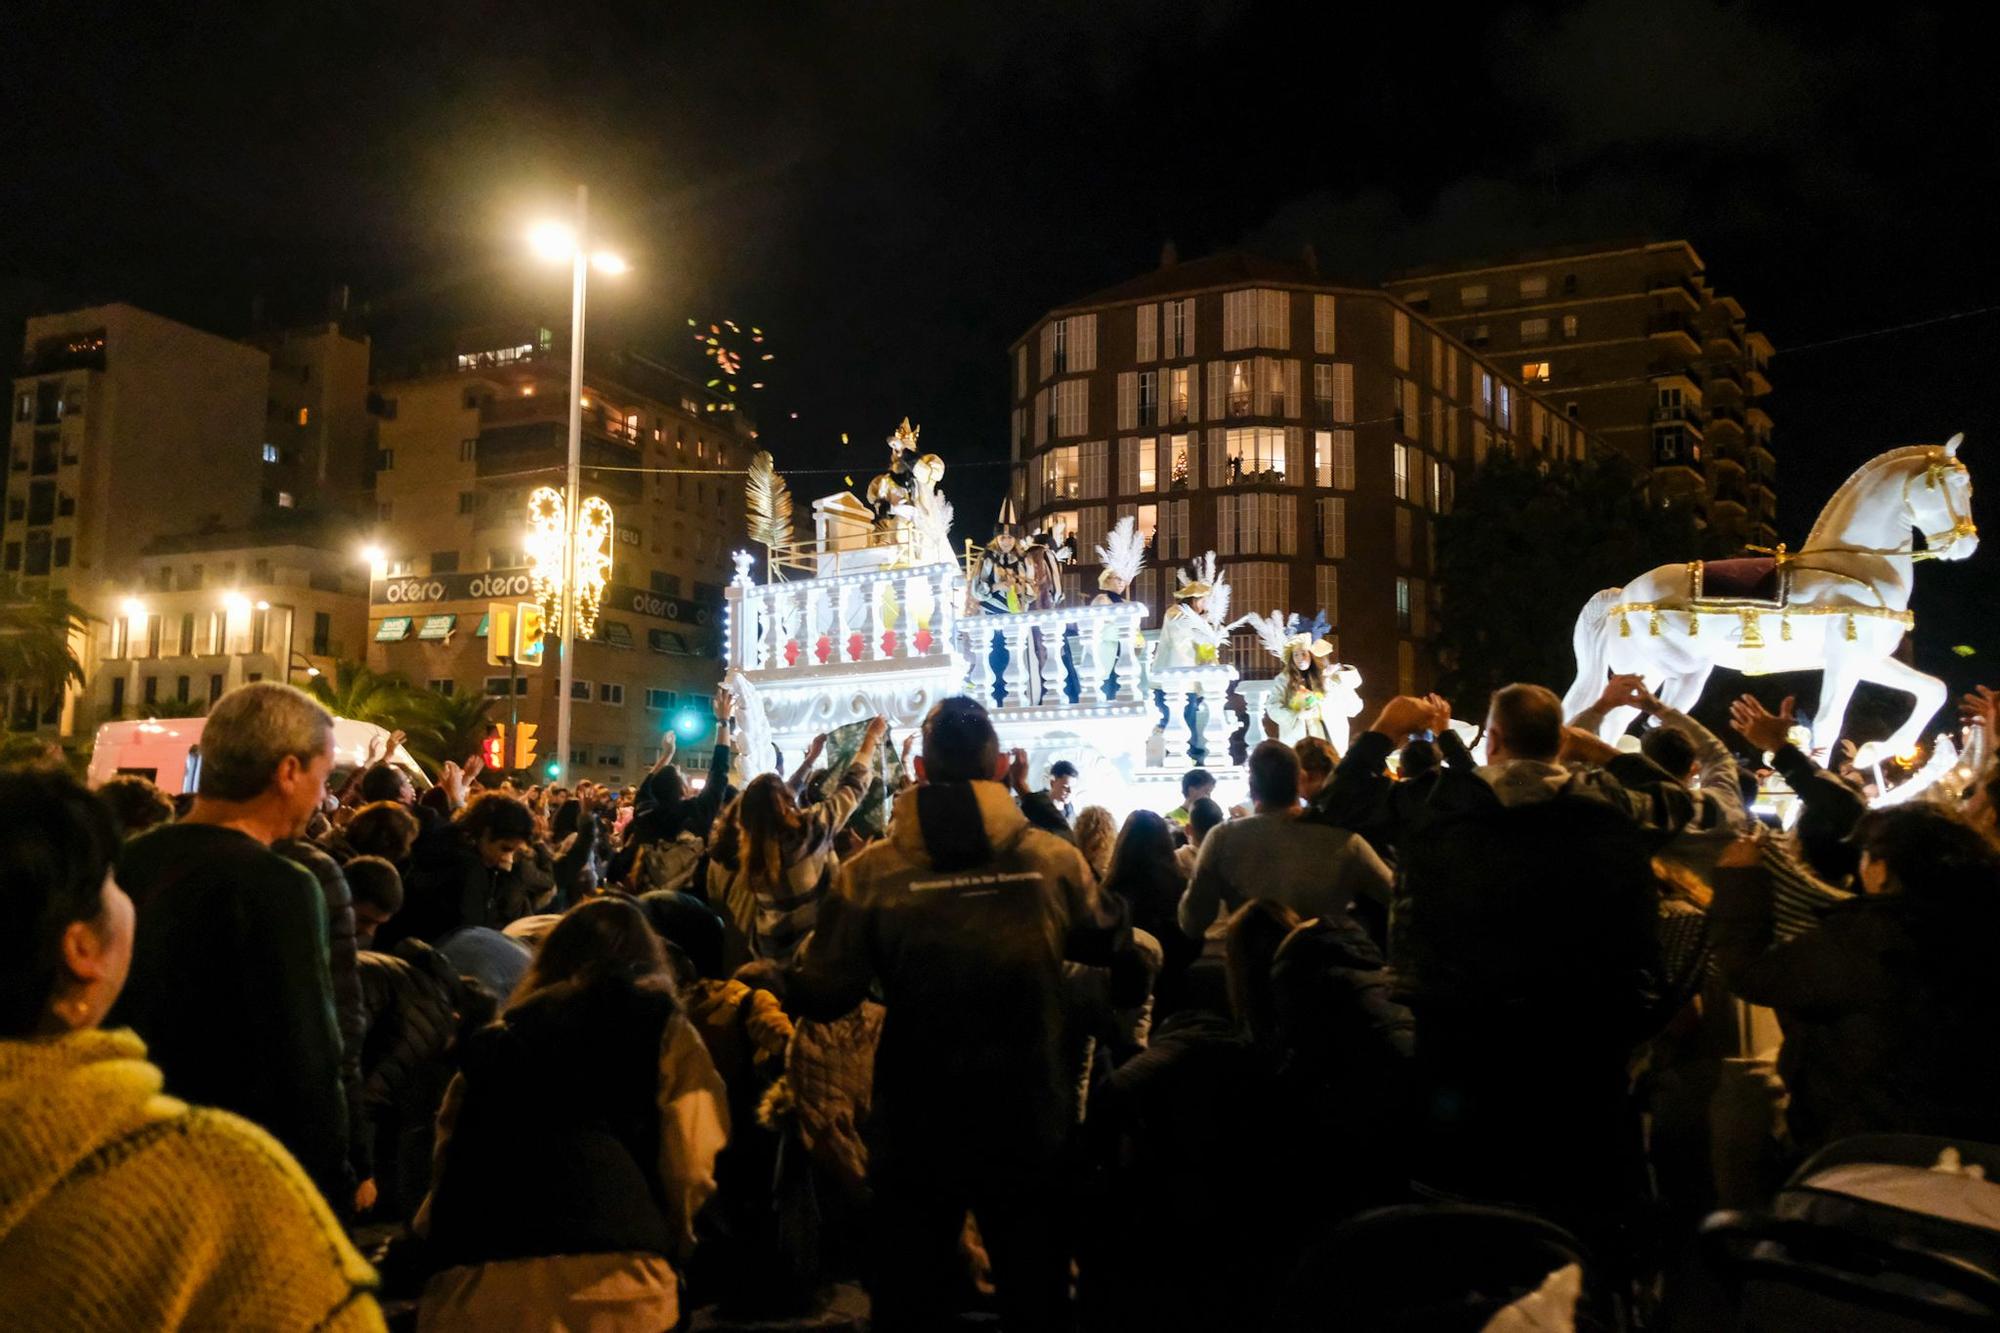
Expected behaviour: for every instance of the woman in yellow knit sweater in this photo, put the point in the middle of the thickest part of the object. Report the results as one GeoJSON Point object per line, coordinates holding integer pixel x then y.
{"type": "Point", "coordinates": [121, 1208]}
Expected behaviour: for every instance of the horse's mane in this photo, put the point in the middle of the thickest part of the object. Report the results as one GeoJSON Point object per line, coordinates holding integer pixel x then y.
{"type": "Point", "coordinates": [1846, 488]}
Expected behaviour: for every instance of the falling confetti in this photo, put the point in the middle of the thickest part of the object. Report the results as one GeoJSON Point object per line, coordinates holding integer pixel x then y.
{"type": "Point", "coordinates": [1964, 649]}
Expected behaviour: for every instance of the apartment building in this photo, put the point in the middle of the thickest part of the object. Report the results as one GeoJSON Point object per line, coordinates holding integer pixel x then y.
{"type": "Point", "coordinates": [462, 442]}
{"type": "Point", "coordinates": [143, 482]}
{"type": "Point", "coordinates": [1642, 352]}
{"type": "Point", "coordinates": [1308, 432]}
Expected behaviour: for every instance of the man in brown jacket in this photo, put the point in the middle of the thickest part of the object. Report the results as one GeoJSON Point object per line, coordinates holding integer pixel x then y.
{"type": "Point", "coordinates": [963, 917]}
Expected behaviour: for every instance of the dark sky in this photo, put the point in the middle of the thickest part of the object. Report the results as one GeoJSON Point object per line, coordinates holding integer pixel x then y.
{"type": "Point", "coordinates": [894, 190]}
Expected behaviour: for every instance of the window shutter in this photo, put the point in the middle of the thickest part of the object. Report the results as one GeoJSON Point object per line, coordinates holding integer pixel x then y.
{"type": "Point", "coordinates": [1094, 459]}
{"type": "Point", "coordinates": [1089, 534]}
{"type": "Point", "coordinates": [1218, 458]}
{"type": "Point", "coordinates": [1128, 466]}
{"type": "Point", "coordinates": [1402, 341]}
{"type": "Point", "coordinates": [1183, 538]}
{"type": "Point", "coordinates": [1041, 417]}
{"type": "Point", "coordinates": [1343, 392]}
{"type": "Point", "coordinates": [1193, 439]}
{"type": "Point", "coordinates": [1260, 386]}
{"type": "Point", "coordinates": [1437, 363]}
{"type": "Point", "coordinates": [1232, 320]}
{"type": "Point", "coordinates": [1323, 325]}
{"type": "Point", "coordinates": [1216, 399]}
{"type": "Point", "coordinates": [1326, 587]}
{"type": "Point", "coordinates": [1283, 303]}
{"type": "Point", "coordinates": [1294, 405]}
{"type": "Point", "coordinates": [1194, 392]}
{"type": "Point", "coordinates": [1128, 400]}
{"type": "Point", "coordinates": [1161, 399]}
{"type": "Point", "coordinates": [1083, 340]}
{"type": "Point", "coordinates": [1288, 523]}
{"type": "Point", "coordinates": [1343, 460]}
{"type": "Point", "coordinates": [1187, 327]}
{"type": "Point", "coordinates": [1147, 333]}
{"type": "Point", "coordinates": [1048, 350]}
{"type": "Point", "coordinates": [1225, 525]}
{"type": "Point", "coordinates": [1297, 467]}
{"type": "Point", "coordinates": [1034, 486]}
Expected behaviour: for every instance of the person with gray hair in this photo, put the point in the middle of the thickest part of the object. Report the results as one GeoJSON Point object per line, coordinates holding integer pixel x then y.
{"type": "Point", "coordinates": [231, 986]}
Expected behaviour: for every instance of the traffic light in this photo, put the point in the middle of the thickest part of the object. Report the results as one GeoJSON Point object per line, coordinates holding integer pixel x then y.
{"type": "Point", "coordinates": [493, 748]}
{"type": "Point", "coordinates": [524, 745]}
{"type": "Point", "coordinates": [528, 634]}
{"type": "Point", "coordinates": [499, 633]}
{"type": "Point", "coordinates": [555, 770]}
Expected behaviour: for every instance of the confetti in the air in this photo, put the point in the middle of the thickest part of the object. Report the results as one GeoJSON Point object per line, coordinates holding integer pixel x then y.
{"type": "Point", "coordinates": [1964, 649]}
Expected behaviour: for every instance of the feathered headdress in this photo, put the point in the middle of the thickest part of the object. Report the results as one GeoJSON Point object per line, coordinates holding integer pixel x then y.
{"type": "Point", "coordinates": [768, 502]}
{"type": "Point", "coordinates": [1207, 582]}
{"type": "Point", "coordinates": [1270, 631]}
{"type": "Point", "coordinates": [1123, 553]}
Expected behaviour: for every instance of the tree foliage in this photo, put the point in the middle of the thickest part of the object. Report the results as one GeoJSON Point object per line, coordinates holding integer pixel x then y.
{"type": "Point", "coordinates": [1527, 543]}
{"type": "Point", "coordinates": [38, 639]}
{"type": "Point", "coordinates": [437, 727]}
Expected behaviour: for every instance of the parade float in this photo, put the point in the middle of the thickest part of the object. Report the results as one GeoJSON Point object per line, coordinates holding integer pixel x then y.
{"type": "Point", "coordinates": [1840, 604]}
{"type": "Point", "coordinates": [878, 612]}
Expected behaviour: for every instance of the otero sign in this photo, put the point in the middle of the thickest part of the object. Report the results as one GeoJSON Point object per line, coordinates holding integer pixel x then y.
{"type": "Point", "coordinates": [496, 585]}
{"type": "Point", "coordinates": [414, 590]}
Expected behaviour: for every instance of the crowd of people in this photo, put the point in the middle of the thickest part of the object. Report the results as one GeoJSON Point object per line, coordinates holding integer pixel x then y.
{"type": "Point", "coordinates": [576, 1057]}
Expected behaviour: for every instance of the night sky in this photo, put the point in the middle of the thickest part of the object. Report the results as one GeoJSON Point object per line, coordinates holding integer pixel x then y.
{"type": "Point", "coordinates": [895, 190]}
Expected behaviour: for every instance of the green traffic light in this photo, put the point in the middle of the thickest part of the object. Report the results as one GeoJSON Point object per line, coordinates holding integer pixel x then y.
{"type": "Point", "coordinates": [555, 769]}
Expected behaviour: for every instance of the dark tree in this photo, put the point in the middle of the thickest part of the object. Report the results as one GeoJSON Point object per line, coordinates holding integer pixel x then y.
{"type": "Point", "coordinates": [1527, 543]}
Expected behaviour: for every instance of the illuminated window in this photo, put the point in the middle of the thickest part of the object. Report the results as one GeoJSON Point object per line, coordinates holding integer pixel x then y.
{"type": "Point", "coordinates": [1178, 380]}
{"type": "Point", "coordinates": [305, 415]}
{"type": "Point", "coordinates": [1473, 297]}
{"type": "Point", "coordinates": [1147, 521]}
{"type": "Point", "coordinates": [1062, 473]}
{"type": "Point", "coordinates": [1535, 372]}
{"type": "Point", "coordinates": [1403, 605]}
{"type": "Point", "coordinates": [1333, 452]}
{"type": "Point", "coordinates": [1535, 288]}
{"type": "Point", "coordinates": [1534, 330]}
{"type": "Point", "coordinates": [285, 499]}
{"type": "Point", "coordinates": [1569, 326]}
{"type": "Point", "coordinates": [1180, 464]}
{"type": "Point", "coordinates": [1401, 454]}
{"type": "Point", "coordinates": [270, 453]}
{"type": "Point", "coordinates": [1256, 453]}
{"type": "Point", "coordinates": [1149, 464]}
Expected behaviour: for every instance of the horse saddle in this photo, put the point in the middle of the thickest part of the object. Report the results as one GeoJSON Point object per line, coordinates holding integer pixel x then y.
{"type": "Point", "coordinates": [1757, 580]}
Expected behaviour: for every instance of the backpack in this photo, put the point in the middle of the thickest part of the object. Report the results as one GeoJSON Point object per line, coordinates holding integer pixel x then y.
{"type": "Point", "coordinates": [670, 864]}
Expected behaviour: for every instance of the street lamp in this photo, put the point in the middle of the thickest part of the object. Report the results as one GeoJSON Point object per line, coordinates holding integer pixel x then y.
{"type": "Point", "coordinates": [556, 241]}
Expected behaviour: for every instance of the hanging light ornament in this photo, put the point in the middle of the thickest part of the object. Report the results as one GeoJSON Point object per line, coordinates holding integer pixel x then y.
{"type": "Point", "coordinates": [548, 569]}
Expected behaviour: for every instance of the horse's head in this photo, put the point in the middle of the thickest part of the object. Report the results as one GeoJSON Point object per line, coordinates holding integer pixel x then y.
{"type": "Point", "coordinates": [1939, 501]}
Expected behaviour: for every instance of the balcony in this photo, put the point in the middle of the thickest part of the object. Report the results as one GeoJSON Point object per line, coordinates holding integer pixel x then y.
{"type": "Point", "coordinates": [1725, 375]}
{"type": "Point", "coordinates": [1667, 325]}
{"type": "Point", "coordinates": [1686, 415]}
{"type": "Point", "coordinates": [1726, 339]}
{"type": "Point", "coordinates": [1674, 286]}
{"type": "Point", "coordinates": [1725, 414]}
{"type": "Point", "coordinates": [1759, 385]}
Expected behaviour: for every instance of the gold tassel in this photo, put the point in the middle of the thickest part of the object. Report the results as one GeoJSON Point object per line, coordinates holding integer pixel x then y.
{"type": "Point", "coordinates": [1785, 628]}
{"type": "Point", "coordinates": [1694, 625]}
{"type": "Point", "coordinates": [1753, 633]}
{"type": "Point", "coordinates": [1851, 636]}
{"type": "Point", "coordinates": [1653, 624]}
{"type": "Point", "coordinates": [1624, 628]}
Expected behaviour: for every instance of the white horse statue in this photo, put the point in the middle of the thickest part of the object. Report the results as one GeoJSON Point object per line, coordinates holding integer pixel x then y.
{"type": "Point", "coordinates": [1839, 604]}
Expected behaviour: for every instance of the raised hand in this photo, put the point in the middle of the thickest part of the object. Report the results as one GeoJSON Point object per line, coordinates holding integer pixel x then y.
{"type": "Point", "coordinates": [1624, 691]}
{"type": "Point", "coordinates": [1440, 713]}
{"type": "Point", "coordinates": [1402, 717]}
{"type": "Point", "coordinates": [1981, 708]}
{"type": "Point", "coordinates": [1017, 772]}
{"type": "Point", "coordinates": [1764, 729]}
{"type": "Point", "coordinates": [725, 705]}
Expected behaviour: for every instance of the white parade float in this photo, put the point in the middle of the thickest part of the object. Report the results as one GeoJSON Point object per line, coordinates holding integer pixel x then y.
{"type": "Point", "coordinates": [871, 616]}
{"type": "Point", "coordinates": [1839, 604]}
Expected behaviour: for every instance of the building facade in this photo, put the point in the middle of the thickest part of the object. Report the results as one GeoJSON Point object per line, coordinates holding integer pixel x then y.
{"type": "Point", "coordinates": [1309, 433]}
{"type": "Point", "coordinates": [1637, 347]}
{"type": "Point", "coordinates": [462, 443]}
{"type": "Point", "coordinates": [144, 483]}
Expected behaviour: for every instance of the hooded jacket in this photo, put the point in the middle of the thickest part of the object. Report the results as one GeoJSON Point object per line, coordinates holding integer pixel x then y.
{"type": "Point", "coordinates": [963, 917]}
{"type": "Point", "coordinates": [121, 1208]}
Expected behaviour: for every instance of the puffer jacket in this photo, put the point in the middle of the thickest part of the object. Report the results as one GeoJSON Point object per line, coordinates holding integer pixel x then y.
{"type": "Point", "coordinates": [828, 1089]}
{"type": "Point", "coordinates": [775, 917]}
{"type": "Point", "coordinates": [963, 916]}
{"type": "Point", "coordinates": [348, 1009]}
{"type": "Point", "coordinates": [412, 996]}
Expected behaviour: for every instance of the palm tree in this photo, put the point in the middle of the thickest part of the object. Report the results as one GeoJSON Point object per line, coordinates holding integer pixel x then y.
{"type": "Point", "coordinates": [38, 637]}
{"type": "Point", "coordinates": [451, 727]}
{"type": "Point", "coordinates": [174, 708]}
{"type": "Point", "coordinates": [358, 692]}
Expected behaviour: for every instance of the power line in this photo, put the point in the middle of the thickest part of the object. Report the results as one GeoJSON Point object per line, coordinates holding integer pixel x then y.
{"type": "Point", "coordinates": [1884, 332]}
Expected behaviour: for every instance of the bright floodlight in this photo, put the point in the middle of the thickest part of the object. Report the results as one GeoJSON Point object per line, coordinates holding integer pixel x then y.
{"type": "Point", "coordinates": [235, 603]}
{"type": "Point", "coordinates": [263, 606]}
{"type": "Point", "coordinates": [552, 240]}
{"type": "Point", "coordinates": [372, 554]}
{"type": "Point", "coordinates": [606, 262]}
{"type": "Point", "coordinates": [134, 608]}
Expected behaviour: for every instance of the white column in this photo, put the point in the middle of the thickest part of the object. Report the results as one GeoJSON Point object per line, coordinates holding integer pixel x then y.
{"type": "Point", "coordinates": [1215, 692]}
{"type": "Point", "coordinates": [809, 628]}
{"type": "Point", "coordinates": [843, 601]}
{"type": "Point", "coordinates": [756, 613]}
{"type": "Point", "coordinates": [978, 633]}
{"type": "Point", "coordinates": [1016, 675]}
{"type": "Point", "coordinates": [1176, 695]}
{"type": "Point", "coordinates": [1050, 664]}
{"type": "Point", "coordinates": [916, 591]}
{"type": "Point", "coordinates": [1128, 660]}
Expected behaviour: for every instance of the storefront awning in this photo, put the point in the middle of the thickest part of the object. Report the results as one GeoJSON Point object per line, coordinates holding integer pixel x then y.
{"type": "Point", "coordinates": [437, 627]}
{"type": "Point", "coordinates": [618, 634]}
{"type": "Point", "coordinates": [480, 633]}
{"type": "Point", "coordinates": [393, 628]}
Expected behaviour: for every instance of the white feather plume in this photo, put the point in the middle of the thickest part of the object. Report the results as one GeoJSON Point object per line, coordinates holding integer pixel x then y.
{"type": "Point", "coordinates": [1124, 551]}
{"type": "Point", "coordinates": [1270, 631]}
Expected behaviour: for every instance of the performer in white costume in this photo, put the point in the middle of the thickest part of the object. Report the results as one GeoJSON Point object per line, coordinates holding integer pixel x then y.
{"type": "Point", "coordinates": [1192, 629]}
{"type": "Point", "coordinates": [1313, 695]}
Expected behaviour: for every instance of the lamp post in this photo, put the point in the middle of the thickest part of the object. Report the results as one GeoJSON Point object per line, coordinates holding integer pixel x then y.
{"type": "Point", "coordinates": [555, 241]}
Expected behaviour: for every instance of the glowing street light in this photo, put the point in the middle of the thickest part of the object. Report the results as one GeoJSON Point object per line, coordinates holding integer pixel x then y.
{"type": "Point", "coordinates": [555, 241]}
{"type": "Point", "coordinates": [373, 556]}
{"type": "Point", "coordinates": [133, 608]}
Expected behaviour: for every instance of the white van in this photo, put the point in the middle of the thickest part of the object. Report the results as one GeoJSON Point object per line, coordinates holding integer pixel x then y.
{"type": "Point", "coordinates": [166, 751]}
